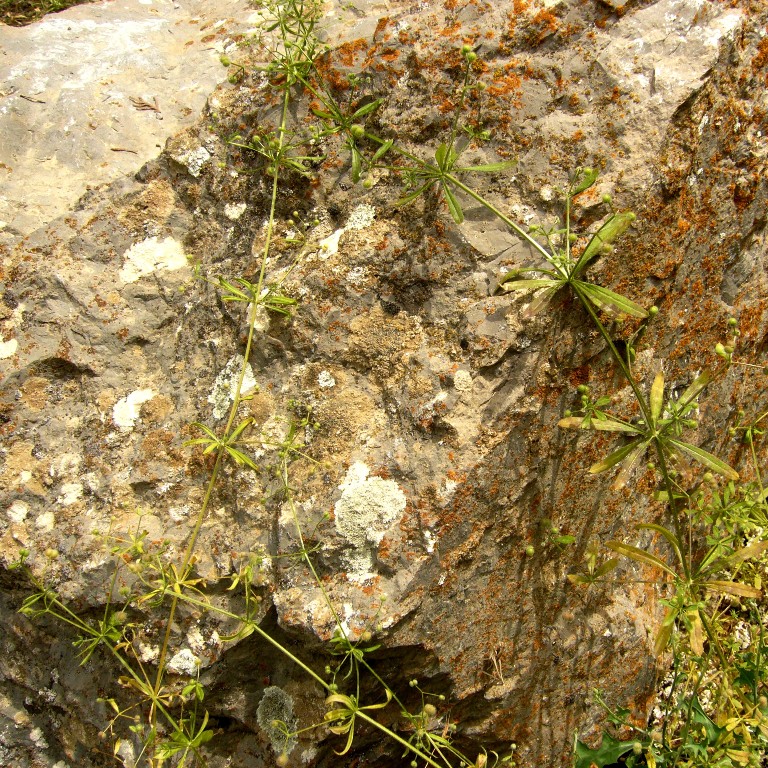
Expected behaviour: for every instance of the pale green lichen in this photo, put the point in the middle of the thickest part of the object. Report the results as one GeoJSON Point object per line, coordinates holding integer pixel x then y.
{"type": "Point", "coordinates": [275, 716]}
{"type": "Point", "coordinates": [367, 508]}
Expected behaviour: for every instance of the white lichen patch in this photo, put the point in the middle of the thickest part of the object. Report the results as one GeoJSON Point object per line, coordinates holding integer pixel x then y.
{"type": "Point", "coordinates": [45, 521]}
{"type": "Point", "coordinates": [233, 211]}
{"type": "Point", "coordinates": [325, 380]}
{"type": "Point", "coordinates": [8, 348]}
{"type": "Point", "coordinates": [194, 160]}
{"type": "Point", "coordinates": [225, 386]}
{"type": "Point", "coordinates": [184, 663]}
{"type": "Point", "coordinates": [150, 255]}
{"type": "Point", "coordinates": [18, 511]}
{"type": "Point", "coordinates": [125, 411]}
{"type": "Point", "coordinates": [368, 507]}
{"type": "Point", "coordinates": [361, 217]}
{"type": "Point", "coordinates": [462, 381]}
{"type": "Point", "coordinates": [70, 494]}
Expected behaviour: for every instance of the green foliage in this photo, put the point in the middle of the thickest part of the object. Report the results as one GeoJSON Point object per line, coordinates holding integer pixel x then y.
{"type": "Point", "coordinates": [567, 265]}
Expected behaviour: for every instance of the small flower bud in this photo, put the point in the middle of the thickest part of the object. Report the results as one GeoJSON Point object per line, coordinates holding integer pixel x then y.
{"type": "Point", "coordinates": [430, 710]}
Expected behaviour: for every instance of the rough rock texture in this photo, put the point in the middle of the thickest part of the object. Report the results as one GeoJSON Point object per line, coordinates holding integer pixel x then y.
{"type": "Point", "coordinates": [436, 400]}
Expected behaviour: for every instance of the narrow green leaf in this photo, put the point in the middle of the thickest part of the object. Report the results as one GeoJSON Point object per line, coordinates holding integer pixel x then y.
{"type": "Point", "coordinates": [366, 110]}
{"type": "Point", "coordinates": [324, 115]}
{"type": "Point", "coordinates": [540, 301]}
{"type": "Point", "coordinates": [606, 567]}
{"type": "Point", "coordinates": [618, 455]}
{"type": "Point", "coordinates": [628, 466]}
{"type": "Point", "coordinates": [668, 535]}
{"type": "Point", "coordinates": [695, 388]}
{"type": "Point", "coordinates": [587, 180]}
{"type": "Point", "coordinates": [755, 549]}
{"type": "Point", "coordinates": [657, 396]}
{"type": "Point", "coordinates": [441, 154]}
{"type": "Point", "coordinates": [382, 150]}
{"type": "Point", "coordinates": [733, 588]}
{"type": "Point", "coordinates": [490, 167]}
{"type": "Point", "coordinates": [409, 198]}
{"type": "Point", "coordinates": [453, 204]}
{"type": "Point", "coordinates": [615, 226]}
{"type": "Point", "coordinates": [706, 458]}
{"type": "Point", "coordinates": [665, 631]}
{"type": "Point", "coordinates": [610, 301]}
{"type": "Point", "coordinates": [529, 283]}
{"type": "Point", "coordinates": [640, 556]}
{"type": "Point", "coordinates": [357, 164]}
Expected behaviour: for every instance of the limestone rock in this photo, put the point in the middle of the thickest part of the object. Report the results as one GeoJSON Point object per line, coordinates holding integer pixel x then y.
{"type": "Point", "coordinates": [426, 403]}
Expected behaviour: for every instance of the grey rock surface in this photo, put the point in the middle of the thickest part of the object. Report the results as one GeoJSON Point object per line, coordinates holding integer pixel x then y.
{"type": "Point", "coordinates": [436, 400]}
{"type": "Point", "coordinates": [91, 94]}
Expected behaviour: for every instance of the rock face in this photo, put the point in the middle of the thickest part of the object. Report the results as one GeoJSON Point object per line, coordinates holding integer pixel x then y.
{"type": "Point", "coordinates": [430, 402]}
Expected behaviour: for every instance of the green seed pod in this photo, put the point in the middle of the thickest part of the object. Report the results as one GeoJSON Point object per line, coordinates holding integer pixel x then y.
{"type": "Point", "coordinates": [637, 748]}
{"type": "Point", "coordinates": [465, 49]}
{"type": "Point", "coordinates": [530, 551]}
{"type": "Point", "coordinates": [357, 131]}
{"type": "Point", "coordinates": [430, 710]}
{"type": "Point", "coordinates": [607, 199]}
{"type": "Point", "coordinates": [653, 311]}
{"type": "Point", "coordinates": [52, 554]}
{"type": "Point", "coordinates": [583, 389]}
{"type": "Point", "coordinates": [733, 322]}
{"type": "Point", "coordinates": [470, 57]}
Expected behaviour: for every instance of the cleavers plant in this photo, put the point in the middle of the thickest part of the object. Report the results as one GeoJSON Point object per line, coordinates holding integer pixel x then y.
{"type": "Point", "coordinates": [714, 708]}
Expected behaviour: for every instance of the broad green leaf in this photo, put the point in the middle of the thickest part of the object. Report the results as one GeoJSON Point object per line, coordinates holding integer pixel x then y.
{"type": "Point", "coordinates": [610, 301]}
{"type": "Point", "coordinates": [615, 226]}
{"type": "Point", "coordinates": [695, 388]}
{"type": "Point", "coordinates": [733, 588]}
{"type": "Point", "coordinates": [608, 753]}
{"type": "Point", "coordinates": [492, 167]}
{"type": "Point", "coordinates": [706, 458]}
{"type": "Point", "coordinates": [453, 204]}
{"type": "Point", "coordinates": [657, 396]}
{"type": "Point", "coordinates": [588, 179]}
{"type": "Point", "coordinates": [640, 556]}
{"type": "Point", "coordinates": [618, 455]}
